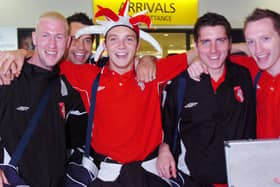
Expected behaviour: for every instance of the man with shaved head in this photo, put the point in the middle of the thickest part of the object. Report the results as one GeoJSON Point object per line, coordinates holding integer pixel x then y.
{"type": "Point", "coordinates": [44, 158]}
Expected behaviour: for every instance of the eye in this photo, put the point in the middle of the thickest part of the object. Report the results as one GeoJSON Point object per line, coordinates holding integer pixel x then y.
{"type": "Point", "coordinates": [61, 37]}
{"type": "Point", "coordinates": [204, 42]}
{"type": "Point", "coordinates": [131, 39]}
{"type": "Point", "coordinates": [266, 38]}
{"type": "Point", "coordinates": [111, 39]}
{"type": "Point", "coordinates": [250, 42]}
{"type": "Point", "coordinates": [88, 40]}
{"type": "Point", "coordinates": [222, 40]}
{"type": "Point", "coordinates": [44, 35]}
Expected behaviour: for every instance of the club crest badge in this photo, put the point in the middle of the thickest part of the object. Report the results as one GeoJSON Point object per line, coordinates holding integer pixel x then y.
{"type": "Point", "coordinates": [238, 94]}
{"type": "Point", "coordinates": [62, 109]}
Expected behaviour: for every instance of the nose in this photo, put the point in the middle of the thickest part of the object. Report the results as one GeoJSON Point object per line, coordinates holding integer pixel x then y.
{"type": "Point", "coordinates": [80, 44]}
{"type": "Point", "coordinates": [213, 47]}
{"type": "Point", "coordinates": [259, 47]}
{"type": "Point", "coordinates": [122, 44]}
{"type": "Point", "coordinates": [52, 42]}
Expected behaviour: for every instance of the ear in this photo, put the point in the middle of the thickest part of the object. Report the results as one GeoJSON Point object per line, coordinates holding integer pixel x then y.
{"type": "Point", "coordinates": [34, 36]}
{"type": "Point", "coordinates": [195, 47]}
{"type": "Point", "coordinates": [138, 45]}
{"type": "Point", "coordinates": [104, 45]}
{"type": "Point", "coordinates": [230, 44]}
{"type": "Point", "coordinates": [68, 42]}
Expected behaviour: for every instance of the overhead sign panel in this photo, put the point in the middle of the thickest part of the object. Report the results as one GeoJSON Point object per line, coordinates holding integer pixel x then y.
{"type": "Point", "coordinates": [162, 12]}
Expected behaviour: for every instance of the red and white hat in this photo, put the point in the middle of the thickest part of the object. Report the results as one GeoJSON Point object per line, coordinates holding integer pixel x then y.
{"type": "Point", "coordinates": [123, 19]}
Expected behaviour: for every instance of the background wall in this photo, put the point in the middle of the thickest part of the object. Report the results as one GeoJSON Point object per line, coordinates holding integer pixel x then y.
{"type": "Point", "coordinates": [23, 13]}
{"type": "Point", "coordinates": [236, 10]}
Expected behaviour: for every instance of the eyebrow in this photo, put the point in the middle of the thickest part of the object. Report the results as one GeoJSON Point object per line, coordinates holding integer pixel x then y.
{"type": "Point", "coordinates": [206, 39]}
{"type": "Point", "coordinates": [131, 35]}
{"type": "Point", "coordinates": [224, 38]}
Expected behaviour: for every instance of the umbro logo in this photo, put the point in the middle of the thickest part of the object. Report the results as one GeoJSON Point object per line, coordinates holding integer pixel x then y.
{"type": "Point", "coordinates": [100, 88]}
{"type": "Point", "coordinates": [22, 108]}
{"type": "Point", "coordinates": [191, 105]}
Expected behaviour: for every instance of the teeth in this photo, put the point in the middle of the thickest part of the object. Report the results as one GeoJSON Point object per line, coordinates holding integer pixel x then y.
{"type": "Point", "coordinates": [79, 54]}
{"type": "Point", "coordinates": [51, 52]}
{"type": "Point", "coordinates": [214, 57]}
{"type": "Point", "coordinates": [261, 56]}
{"type": "Point", "coordinates": [121, 53]}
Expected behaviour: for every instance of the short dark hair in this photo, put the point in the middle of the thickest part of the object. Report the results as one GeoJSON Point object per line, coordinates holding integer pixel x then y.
{"type": "Point", "coordinates": [211, 19]}
{"type": "Point", "coordinates": [258, 14]}
{"type": "Point", "coordinates": [82, 18]}
{"type": "Point", "coordinates": [79, 17]}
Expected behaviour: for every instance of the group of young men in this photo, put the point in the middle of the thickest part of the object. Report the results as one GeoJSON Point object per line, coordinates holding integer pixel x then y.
{"type": "Point", "coordinates": [131, 146]}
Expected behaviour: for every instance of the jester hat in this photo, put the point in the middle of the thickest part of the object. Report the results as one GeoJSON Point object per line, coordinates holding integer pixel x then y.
{"type": "Point", "coordinates": [123, 19]}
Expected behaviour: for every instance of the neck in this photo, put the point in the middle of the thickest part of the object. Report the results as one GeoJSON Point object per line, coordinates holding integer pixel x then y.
{"type": "Point", "coordinates": [36, 60]}
{"type": "Point", "coordinates": [121, 69]}
{"type": "Point", "coordinates": [216, 73]}
{"type": "Point", "coordinates": [274, 70]}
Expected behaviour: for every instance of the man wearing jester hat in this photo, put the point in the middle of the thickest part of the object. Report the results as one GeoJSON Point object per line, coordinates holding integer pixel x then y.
{"type": "Point", "coordinates": [127, 129]}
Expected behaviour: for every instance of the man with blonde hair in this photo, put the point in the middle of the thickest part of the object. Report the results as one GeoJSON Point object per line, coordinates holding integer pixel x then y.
{"type": "Point", "coordinates": [43, 160]}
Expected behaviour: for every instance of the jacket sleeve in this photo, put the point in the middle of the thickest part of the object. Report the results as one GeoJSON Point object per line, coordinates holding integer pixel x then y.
{"type": "Point", "coordinates": [247, 62]}
{"type": "Point", "coordinates": [4, 91]}
{"type": "Point", "coordinates": [250, 129]}
{"type": "Point", "coordinates": [171, 66]}
{"type": "Point", "coordinates": [169, 114]}
{"type": "Point", "coordinates": [75, 118]}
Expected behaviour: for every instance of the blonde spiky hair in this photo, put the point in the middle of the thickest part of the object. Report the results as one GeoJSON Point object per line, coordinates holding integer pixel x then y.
{"type": "Point", "coordinates": [53, 15]}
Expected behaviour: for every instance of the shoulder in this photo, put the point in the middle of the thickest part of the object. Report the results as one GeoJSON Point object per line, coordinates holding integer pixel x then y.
{"type": "Point", "coordinates": [64, 81]}
{"type": "Point", "coordinates": [78, 72]}
{"type": "Point", "coordinates": [240, 75]}
{"type": "Point", "coordinates": [241, 58]}
{"type": "Point", "coordinates": [237, 69]}
{"type": "Point", "coordinates": [67, 65]}
{"type": "Point", "coordinates": [64, 86]}
{"type": "Point", "coordinates": [173, 58]}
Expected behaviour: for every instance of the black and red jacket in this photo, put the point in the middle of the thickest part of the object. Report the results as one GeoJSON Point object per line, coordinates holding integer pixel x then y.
{"type": "Point", "coordinates": [208, 118]}
{"type": "Point", "coordinates": [62, 124]}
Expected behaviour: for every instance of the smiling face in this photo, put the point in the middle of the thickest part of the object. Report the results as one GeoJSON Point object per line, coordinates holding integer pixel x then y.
{"type": "Point", "coordinates": [80, 48]}
{"type": "Point", "coordinates": [213, 46]}
{"type": "Point", "coordinates": [50, 40]}
{"type": "Point", "coordinates": [121, 45]}
{"type": "Point", "coordinates": [264, 44]}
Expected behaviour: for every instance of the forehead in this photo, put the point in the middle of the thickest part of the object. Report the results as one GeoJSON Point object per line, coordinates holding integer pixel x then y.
{"type": "Point", "coordinates": [212, 31]}
{"type": "Point", "coordinates": [121, 31]}
{"type": "Point", "coordinates": [260, 26]}
{"type": "Point", "coordinates": [52, 25]}
{"type": "Point", "coordinates": [75, 26]}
